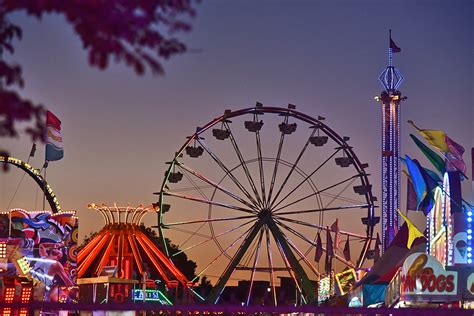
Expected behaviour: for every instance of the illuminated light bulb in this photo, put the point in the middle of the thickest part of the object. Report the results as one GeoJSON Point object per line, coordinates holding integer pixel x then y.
{"type": "Point", "coordinates": [469, 231]}
{"type": "Point", "coordinates": [469, 255]}
{"type": "Point", "coordinates": [469, 213]}
{"type": "Point", "coordinates": [469, 260]}
{"type": "Point", "coordinates": [469, 248]}
{"type": "Point", "coordinates": [469, 219]}
{"type": "Point", "coordinates": [469, 237]}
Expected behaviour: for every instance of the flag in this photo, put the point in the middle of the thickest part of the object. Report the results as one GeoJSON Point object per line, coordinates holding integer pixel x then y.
{"type": "Point", "coordinates": [413, 231]}
{"type": "Point", "coordinates": [436, 138]}
{"type": "Point", "coordinates": [454, 156]}
{"type": "Point", "coordinates": [337, 236]}
{"type": "Point", "coordinates": [432, 174]}
{"type": "Point", "coordinates": [411, 195]}
{"type": "Point", "coordinates": [394, 47]}
{"type": "Point", "coordinates": [329, 252]}
{"type": "Point", "coordinates": [417, 180]}
{"type": "Point", "coordinates": [431, 184]}
{"type": "Point", "coordinates": [377, 248]}
{"type": "Point", "coordinates": [319, 249]}
{"type": "Point", "coordinates": [347, 250]}
{"type": "Point", "coordinates": [329, 245]}
{"type": "Point", "coordinates": [54, 141]}
{"type": "Point", "coordinates": [433, 157]}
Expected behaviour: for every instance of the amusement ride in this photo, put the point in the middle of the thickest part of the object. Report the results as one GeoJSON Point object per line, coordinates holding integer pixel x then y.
{"type": "Point", "coordinates": [254, 193]}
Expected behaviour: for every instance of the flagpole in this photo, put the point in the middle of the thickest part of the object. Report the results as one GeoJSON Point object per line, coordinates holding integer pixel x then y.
{"type": "Point", "coordinates": [45, 166]}
{"type": "Point", "coordinates": [390, 51]}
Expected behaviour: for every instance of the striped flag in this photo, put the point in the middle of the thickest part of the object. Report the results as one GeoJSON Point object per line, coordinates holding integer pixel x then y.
{"type": "Point", "coordinates": [54, 141]}
{"type": "Point", "coordinates": [454, 156]}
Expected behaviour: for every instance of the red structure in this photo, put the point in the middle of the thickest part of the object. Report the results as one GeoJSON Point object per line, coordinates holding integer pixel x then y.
{"type": "Point", "coordinates": [121, 247]}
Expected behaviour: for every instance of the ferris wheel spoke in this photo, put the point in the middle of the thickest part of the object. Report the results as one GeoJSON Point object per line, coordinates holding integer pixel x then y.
{"type": "Point", "coordinates": [320, 227]}
{"type": "Point", "coordinates": [186, 231]}
{"type": "Point", "coordinates": [288, 268]}
{"type": "Point", "coordinates": [270, 264]}
{"type": "Point", "coordinates": [336, 208]}
{"type": "Point", "coordinates": [196, 187]}
{"type": "Point", "coordinates": [227, 172]}
{"type": "Point", "coordinates": [260, 167]}
{"type": "Point", "coordinates": [254, 267]}
{"type": "Point", "coordinates": [222, 253]}
{"type": "Point", "coordinates": [275, 167]}
{"type": "Point", "coordinates": [305, 179]}
{"type": "Point", "coordinates": [219, 287]}
{"type": "Point", "coordinates": [214, 203]}
{"type": "Point", "coordinates": [313, 194]}
{"type": "Point", "coordinates": [306, 284]}
{"type": "Point", "coordinates": [209, 238]}
{"type": "Point", "coordinates": [210, 220]}
{"type": "Point", "coordinates": [335, 197]}
{"type": "Point", "coordinates": [341, 198]}
{"type": "Point", "coordinates": [295, 164]}
{"type": "Point", "coordinates": [215, 185]}
{"type": "Point", "coordinates": [298, 234]}
{"type": "Point", "coordinates": [302, 256]}
{"type": "Point", "coordinates": [244, 165]}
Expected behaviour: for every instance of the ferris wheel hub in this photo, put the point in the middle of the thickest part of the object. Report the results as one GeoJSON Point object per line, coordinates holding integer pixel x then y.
{"type": "Point", "coordinates": [265, 215]}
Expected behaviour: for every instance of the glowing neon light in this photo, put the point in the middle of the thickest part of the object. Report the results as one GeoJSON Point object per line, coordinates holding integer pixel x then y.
{"type": "Point", "coordinates": [151, 296]}
{"type": "Point", "coordinates": [469, 237]}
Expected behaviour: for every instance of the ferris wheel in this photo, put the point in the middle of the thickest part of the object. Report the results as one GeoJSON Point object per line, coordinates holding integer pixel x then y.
{"type": "Point", "coordinates": [250, 194]}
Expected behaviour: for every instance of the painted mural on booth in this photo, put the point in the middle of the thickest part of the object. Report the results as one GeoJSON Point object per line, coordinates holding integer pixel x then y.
{"type": "Point", "coordinates": [43, 248]}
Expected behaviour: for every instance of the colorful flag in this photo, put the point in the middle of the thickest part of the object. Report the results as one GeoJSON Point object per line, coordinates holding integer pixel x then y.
{"type": "Point", "coordinates": [454, 156]}
{"type": "Point", "coordinates": [329, 252]}
{"type": "Point", "coordinates": [413, 231]}
{"type": "Point", "coordinates": [417, 180]}
{"type": "Point", "coordinates": [436, 138]}
{"type": "Point", "coordinates": [432, 174]}
{"type": "Point", "coordinates": [54, 141]}
{"type": "Point", "coordinates": [319, 249]}
{"type": "Point", "coordinates": [337, 236]}
{"type": "Point", "coordinates": [394, 47]}
{"type": "Point", "coordinates": [411, 195]}
{"type": "Point", "coordinates": [378, 243]}
{"type": "Point", "coordinates": [431, 184]}
{"type": "Point", "coordinates": [433, 157]}
{"type": "Point", "coordinates": [347, 250]}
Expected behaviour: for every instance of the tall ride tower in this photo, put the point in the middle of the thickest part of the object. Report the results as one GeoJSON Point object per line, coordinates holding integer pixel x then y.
{"type": "Point", "coordinates": [390, 98]}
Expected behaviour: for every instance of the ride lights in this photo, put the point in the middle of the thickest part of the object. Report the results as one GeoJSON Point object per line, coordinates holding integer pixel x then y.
{"type": "Point", "coordinates": [469, 236]}
{"type": "Point", "coordinates": [24, 265]}
{"type": "Point", "coordinates": [3, 250]}
{"type": "Point", "coordinates": [8, 298]}
{"type": "Point", "coordinates": [25, 297]}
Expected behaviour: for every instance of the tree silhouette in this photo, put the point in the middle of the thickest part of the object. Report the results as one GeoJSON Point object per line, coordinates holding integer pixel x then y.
{"type": "Point", "coordinates": [138, 33]}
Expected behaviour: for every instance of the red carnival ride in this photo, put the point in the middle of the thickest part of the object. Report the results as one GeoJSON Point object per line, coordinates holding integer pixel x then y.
{"type": "Point", "coordinates": [121, 258]}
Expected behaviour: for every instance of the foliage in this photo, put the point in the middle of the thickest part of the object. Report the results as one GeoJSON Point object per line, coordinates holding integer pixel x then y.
{"type": "Point", "coordinates": [137, 33]}
{"type": "Point", "coordinates": [204, 287]}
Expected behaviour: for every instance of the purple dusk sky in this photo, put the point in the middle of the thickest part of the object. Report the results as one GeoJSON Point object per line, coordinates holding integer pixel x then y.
{"type": "Point", "coordinates": [323, 56]}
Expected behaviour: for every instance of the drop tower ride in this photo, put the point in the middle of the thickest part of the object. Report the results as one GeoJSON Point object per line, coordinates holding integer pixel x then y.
{"type": "Point", "coordinates": [390, 99]}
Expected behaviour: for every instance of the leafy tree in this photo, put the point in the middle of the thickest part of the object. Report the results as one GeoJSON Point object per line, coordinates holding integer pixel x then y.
{"type": "Point", "coordinates": [204, 287]}
{"type": "Point", "coordinates": [138, 33]}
